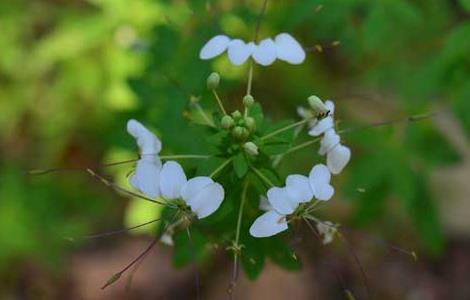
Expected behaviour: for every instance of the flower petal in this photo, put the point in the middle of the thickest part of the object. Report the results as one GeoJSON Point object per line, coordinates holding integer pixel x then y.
{"type": "Point", "coordinates": [319, 178]}
{"type": "Point", "coordinates": [172, 179]}
{"type": "Point", "coordinates": [238, 51]}
{"type": "Point", "coordinates": [194, 186]}
{"type": "Point", "coordinates": [265, 53]}
{"type": "Point", "coordinates": [298, 187]}
{"type": "Point", "coordinates": [268, 224]}
{"type": "Point", "coordinates": [207, 200]}
{"type": "Point", "coordinates": [330, 106]}
{"type": "Point", "coordinates": [147, 176]}
{"type": "Point", "coordinates": [288, 49]}
{"type": "Point", "coordinates": [330, 140]}
{"type": "Point", "coordinates": [281, 201]}
{"type": "Point", "coordinates": [322, 126]}
{"type": "Point", "coordinates": [214, 47]}
{"type": "Point", "coordinates": [338, 158]}
{"type": "Point", "coordinates": [148, 142]}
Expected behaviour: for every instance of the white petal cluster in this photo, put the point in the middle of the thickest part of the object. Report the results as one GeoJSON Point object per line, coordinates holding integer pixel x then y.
{"type": "Point", "coordinates": [284, 47]}
{"type": "Point", "coordinates": [202, 194]}
{"type": "Point", "coordinates": [146, 177]}
{"type": "Point", "coordinates": [337, 154]}
{"type": "Point", "coordinates": [284, 201]}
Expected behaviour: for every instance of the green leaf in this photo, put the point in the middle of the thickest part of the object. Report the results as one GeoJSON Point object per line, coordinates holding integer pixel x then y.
{"type": "Point", "coordinates": [240, 164]}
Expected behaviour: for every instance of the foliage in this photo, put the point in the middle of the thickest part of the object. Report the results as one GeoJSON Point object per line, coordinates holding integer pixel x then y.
{"type": "Point", "coordinates": [71, 74]}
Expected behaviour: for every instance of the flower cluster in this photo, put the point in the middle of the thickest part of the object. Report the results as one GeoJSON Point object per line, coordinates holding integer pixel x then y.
{"type": "Point", "coordinates": [283, 47]}
{"type": "Point", "coordinates": [284, 201]}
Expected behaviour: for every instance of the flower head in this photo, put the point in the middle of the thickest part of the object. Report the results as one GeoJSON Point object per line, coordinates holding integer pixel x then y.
{"type": "Point", "coordinates": [283, 47]}
{"type": "Point", "coordinates": [146, 176]}
{"type": "Point", "coordinates": [201, 193]}
{"type": "Point", "coordinates": [284, 201]}
{"type": "Point", "coordinates": [337, 154]}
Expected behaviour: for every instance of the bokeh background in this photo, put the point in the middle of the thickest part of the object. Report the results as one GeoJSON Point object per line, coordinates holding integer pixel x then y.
{"type": "Point", "coordinates": [73, 71]}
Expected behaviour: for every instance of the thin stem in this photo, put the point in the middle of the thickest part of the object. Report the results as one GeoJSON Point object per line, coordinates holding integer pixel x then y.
{"type": "Point", "coordinates": [123, 190]}
{"type": "Point", "coordinates": [184, 156]}
{"type": "Point", "coordinates": [109, 233]}
{"type": "Point", "coordinates": [118, 275]}
{"type": "Point", "coordinates": [280, 130]}
{"type": "Point", "coordinates": [204, 115]}
{"type": "Point", "coordinates": [219, 168]}
{"type": "Point", "coordinates": [221, 106]}
{"type": "Point", "coordinates": [236, 246]}
{"type": "Point", "coordinates": [53, 170]}
{"type": "Point", "coordinates": [255, 39]}
{"type": "Point", "coordinates": [250, 79]}
{"type": "Point", "coordinates": [258, 173]}
{"type": "Point", "coordinates": [277, 159]}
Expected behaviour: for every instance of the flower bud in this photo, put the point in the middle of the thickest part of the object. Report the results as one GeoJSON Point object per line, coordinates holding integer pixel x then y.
{"type": "Point", "coordinates": [237, 132]}
{"type": "Point", "coordinates": [245, 133]}
{"type": "Point", "coordinates": [227, 122]}
{"type": "Point", "coordinates": [248, 100]}
{"type": "Point", "coordinates": [250, 123]}
{"type": "Point", "coordinates": [213, 81]}
{"type": "Point", "coordinates": [236, 115]}
{"type": "Point", "coordinates": [317, 105]}
{"type": "Point", "coordinates": [250, 148]}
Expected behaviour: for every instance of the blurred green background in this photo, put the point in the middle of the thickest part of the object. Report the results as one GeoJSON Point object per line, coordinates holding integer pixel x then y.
{"type": "Point", "coordinates": [73, 71]}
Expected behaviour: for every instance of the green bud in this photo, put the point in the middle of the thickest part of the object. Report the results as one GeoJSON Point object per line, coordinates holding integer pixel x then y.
{"type": "Point", "coordinates": [248, 100]}
{"type": "Point", "coordinates": [317, 105]}
{"type": "Point", "coordinates": [250, 123]}
{"type": "Point", "coordinates": [236, 115]}
{"type": "Point", "coordinates": [213, 81]}
{"type": "Point", "coordinates": [245, 133]}
{"type": "Point", "coordinates": [237, 132]}
{"type": "Point", "coordinates": [227, 122]}
{"type": "Point", "coordinates": [250, 148]}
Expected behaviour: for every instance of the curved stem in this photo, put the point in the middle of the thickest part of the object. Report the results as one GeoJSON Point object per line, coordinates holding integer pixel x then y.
{"type": "Point", "coordinates": [219, 102]}
{"type": "Point", "coordinates": [280, 130]}
{"type": "Point", "coordinates": [219, 168]}
{"type": "Point", "coordinates": [236, 245]}
{"type": "Point", "coordinates": [184, 156]}
{"type": "Point", "coordinates": [261, 175]}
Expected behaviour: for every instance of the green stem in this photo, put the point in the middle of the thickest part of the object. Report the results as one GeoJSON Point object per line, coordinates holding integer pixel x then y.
{"type": "Point", "coordinates": [221, 106]}
{"type": "Point", "coordinates": [219, 168]}
{"type": "Point", "coordinates": [264, 178]}
{"type": "Point", "coordinates": [250, 79]}
{"type": "Point", "coordinates": [204, 115]}
{"type": "Point", "coordinates": [184, 156]}
{"type": "Point", "coordinates": [280, 130]}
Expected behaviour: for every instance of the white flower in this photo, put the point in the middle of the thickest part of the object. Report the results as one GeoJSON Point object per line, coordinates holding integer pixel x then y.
{"type": "Point", "coordinates": [201, 194]}
{"type": "Point", "coordinates": [146, 176]}
{"type": "Point", "coordinates": [283, 47]}
{"type": "Point", "coordinates": [284, 201]}
{"type": "Point", "coordinates": [337, 155]}
{"type": "Point", "coordinates": [148, 142]}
